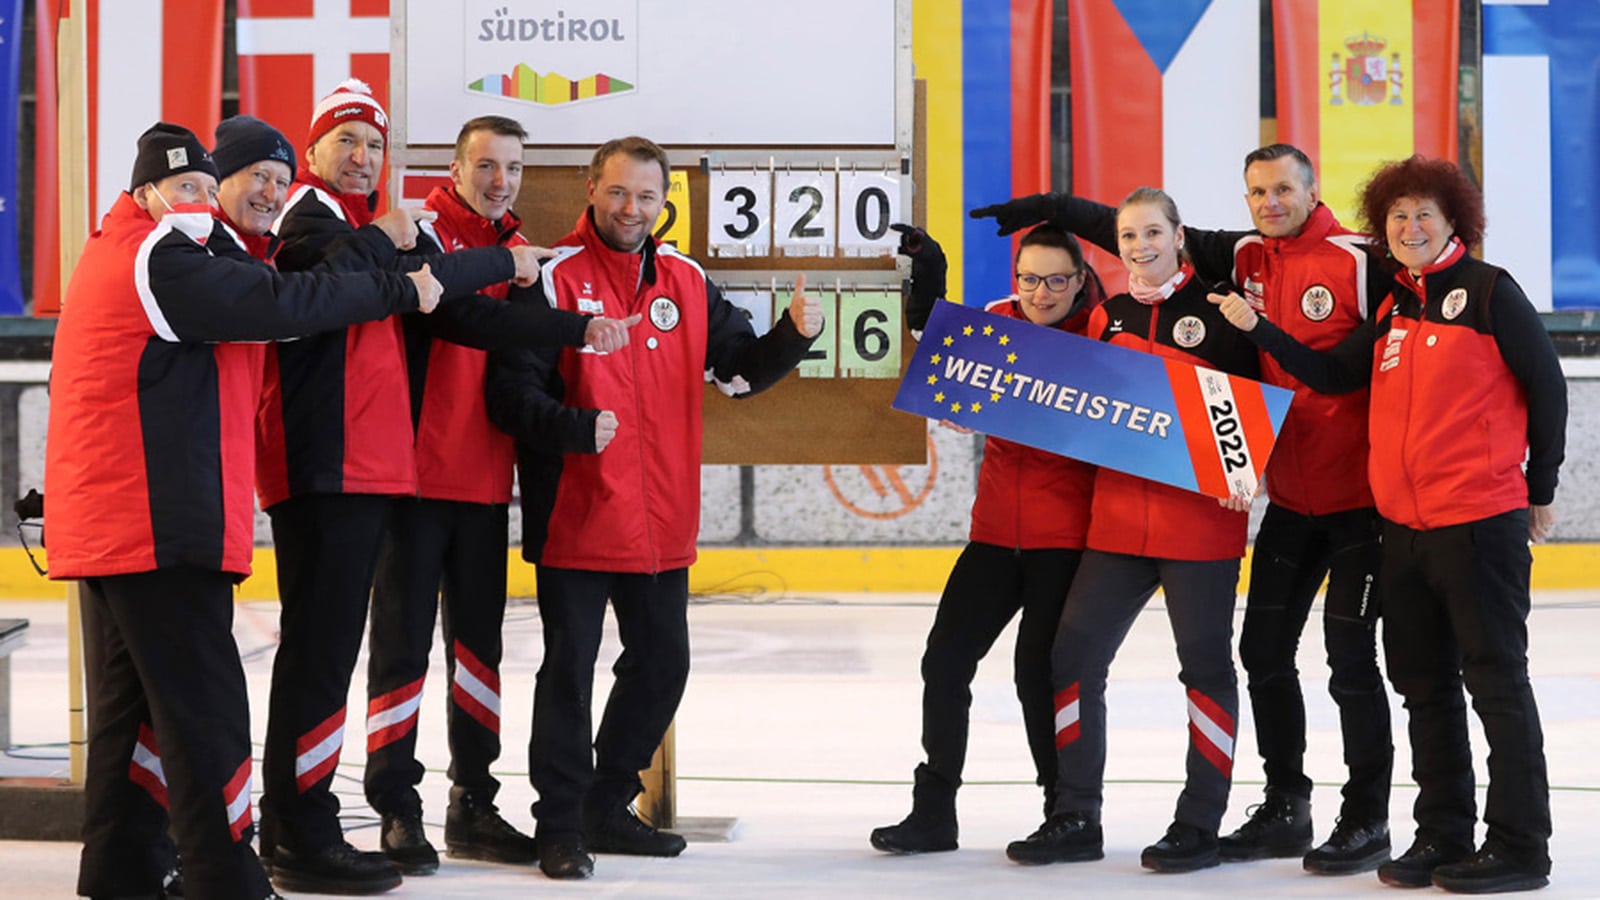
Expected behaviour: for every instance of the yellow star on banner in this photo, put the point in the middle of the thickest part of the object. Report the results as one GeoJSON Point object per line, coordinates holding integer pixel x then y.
{"type": "Point", "coordinates": [1011, 357]}
{"type": "Point", "coordinates": [933, 379]}
{"type": "Point", "coordinates": [994, 397]}
{"type": "Point", "coordinates": [948, 340]}
{"type": "Point", "coordinates": [977, 407]}
{"type": "Point", "coordinates": [967, 331]}
{"type": "Point", "coordinates": [988, 330]}
{"type": "Point", "coordinates": [936, 358]}
{"type": "Point", "coordinates": [1008, 378]}
{"type": "Point", "coordinates": [939, 397]}
{"type": "Point", "coordinates": [955, 407]}
{"type": "Point", "coordinates": [1004, 340]}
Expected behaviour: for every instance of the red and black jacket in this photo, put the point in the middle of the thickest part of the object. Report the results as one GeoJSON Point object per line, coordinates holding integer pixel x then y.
{"type": "Point", "coordinates": [635, 507]}
{"type": "Point", "coordinates": [1466, 384]}
{"type": "Point", "coordinates": [1134, 515]}
{"type": "Point", "coordinates": [460, 454]}
{"type": "Point", "coordinates": [149, 458]}
{"type": "Point", "coordinates": [336, 414]}
{"type": "Point", "coordinates": [1030, 499]}
{"type": "Point", "coordinates": [1319, 286]}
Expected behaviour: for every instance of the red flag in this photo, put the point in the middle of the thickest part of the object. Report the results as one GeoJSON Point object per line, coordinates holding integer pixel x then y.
{"type": "Point", "coordinates": [186, 89]}
{"type": "Point", "coordinates": [46, 193]}
{"type": "Point", "coordinates": [293, 52]}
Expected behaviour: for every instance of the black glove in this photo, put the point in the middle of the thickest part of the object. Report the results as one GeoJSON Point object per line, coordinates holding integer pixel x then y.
{"type": "Point", "coordinates": [928, 269]}
{"type": "Point", "coordinates": [1014, 215]}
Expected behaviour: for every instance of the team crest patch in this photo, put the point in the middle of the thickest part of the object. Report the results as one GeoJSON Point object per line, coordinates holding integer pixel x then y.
{"type": "Point", "coordinates": [664, 313]}
{"type": "Point", "coordinates": [1454, 303]}
{"type": "Point", "coordinates": [1317, 303]}
{"type": "Point", "coordinates": [1189, 332]}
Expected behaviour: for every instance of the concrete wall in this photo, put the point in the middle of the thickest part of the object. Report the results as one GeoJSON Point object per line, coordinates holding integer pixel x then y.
{"type": "Point", "coordinates": [855, 505]}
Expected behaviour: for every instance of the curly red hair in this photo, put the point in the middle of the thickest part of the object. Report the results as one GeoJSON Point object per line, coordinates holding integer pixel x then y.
{"type": "Point", "coordinates": [1422, 177]}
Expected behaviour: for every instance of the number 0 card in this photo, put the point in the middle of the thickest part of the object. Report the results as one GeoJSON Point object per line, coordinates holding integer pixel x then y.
{"type": "Point", "coordinates": [1162, 419]}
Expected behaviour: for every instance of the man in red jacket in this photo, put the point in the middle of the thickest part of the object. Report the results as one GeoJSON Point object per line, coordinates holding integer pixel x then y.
{"type": "Point", "coordinates": [608, 449]}
{"type": "Point", "coordinates": [1316, 279]}
{"type": "Point", "coordinates": [149, 462]}
{"type": "Point", "coordinates": [452, 535]}
{"type": "Point", "coordinates": [336, 445]}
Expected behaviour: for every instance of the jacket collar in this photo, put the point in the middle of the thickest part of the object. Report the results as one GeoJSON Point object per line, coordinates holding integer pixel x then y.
{"type": "Point", "coordinates": [594, 242]}
{"type": "Point", "coordinates": [359, 209]}
{"type": "Point", "coordinates": [461, 219]}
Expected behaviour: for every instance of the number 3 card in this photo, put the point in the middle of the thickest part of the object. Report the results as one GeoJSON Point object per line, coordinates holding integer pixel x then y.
{"type": "Point", "coordinates": [741, 213]}
{"type": "Point", "coordinates": [1162, 419]}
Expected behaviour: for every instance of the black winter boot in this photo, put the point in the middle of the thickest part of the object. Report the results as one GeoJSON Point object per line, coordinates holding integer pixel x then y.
{"type": "Point", "coordinates": [931, 826]}
{"type": "Point", "coordinates": [1279, 826]}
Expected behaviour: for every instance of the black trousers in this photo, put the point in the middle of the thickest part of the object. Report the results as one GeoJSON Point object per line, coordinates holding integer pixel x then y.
{"type": "Point", "coordinates": [986, 589]}
{"type": "Point", "coordinates": [160, 654]}
{"type": "Point", "coordinates": [459, 549]}
{"type": "Point", "coordinates": [327, 545]}
{"type": "Point", "coordinates": [652, 622]}
{"type": "Point", "coordinates": [1457, 611]}
{"type": "Point", "coordinates": [1293, 554]}
{"type": "Point", "coordinates": [1105, 599]}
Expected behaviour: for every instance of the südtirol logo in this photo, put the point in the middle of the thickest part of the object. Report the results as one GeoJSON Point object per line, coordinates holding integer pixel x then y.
{"type": "Point", "coordinates": [552, 52]}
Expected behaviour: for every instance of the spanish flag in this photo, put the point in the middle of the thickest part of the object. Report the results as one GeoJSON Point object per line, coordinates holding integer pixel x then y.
{"type": "Point", "coordinates": [1363, 82]}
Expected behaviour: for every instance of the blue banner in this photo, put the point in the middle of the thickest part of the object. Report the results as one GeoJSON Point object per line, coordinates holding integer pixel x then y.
{"type": "Point", "coordinates": [1162, 419]}
{"type": "Point", "coordinates": [1560, 38]}
{"type": "Point", "coordinates": [10, 61]}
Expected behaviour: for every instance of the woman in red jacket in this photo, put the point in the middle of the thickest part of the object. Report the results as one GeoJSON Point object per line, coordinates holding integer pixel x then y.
{"type": "Point", "coordinates": [1142, 536]}
{"type": "Point", "coordinates": [1028, 526]}
{"type": "Point", "coordinates": [1466, 386]}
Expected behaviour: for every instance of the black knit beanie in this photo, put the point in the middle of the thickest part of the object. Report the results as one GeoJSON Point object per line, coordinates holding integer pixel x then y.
{"type": "Point", "coordinates": [167, 149]}
{"type": "Point", "coordinates": [246, 140]}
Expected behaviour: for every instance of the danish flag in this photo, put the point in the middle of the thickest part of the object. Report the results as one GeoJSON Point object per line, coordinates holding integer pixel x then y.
{"type": "Point", "coordinates": [293, 52]}
{"type": "Point", "coordinates": [183, 84]}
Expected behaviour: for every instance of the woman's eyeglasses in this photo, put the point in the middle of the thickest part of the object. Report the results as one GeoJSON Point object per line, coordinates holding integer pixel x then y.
{"type": "Point", "coordinates": [1058, 283]}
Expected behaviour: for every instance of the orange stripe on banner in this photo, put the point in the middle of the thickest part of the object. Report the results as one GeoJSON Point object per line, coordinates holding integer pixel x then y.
{"type": "Point", "coordinates": [1438, 54]}
{"type": "Point", "coordinates": [191, 83]}
{"type": "Point", "coordinates": [1196, 422]}
{"type": "Point", "coordinates": [1299, 68]}
{"type": "Point", "coordinates": [1252, 407]}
